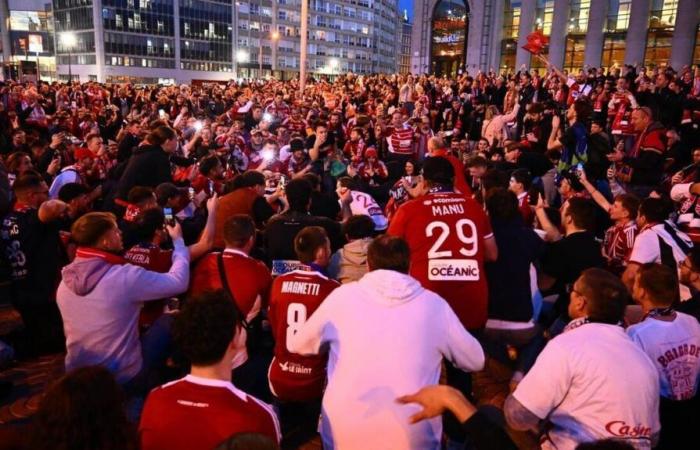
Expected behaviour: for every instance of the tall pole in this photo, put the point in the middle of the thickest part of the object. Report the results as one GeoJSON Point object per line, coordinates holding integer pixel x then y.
{"type": "Point", "coordinates": [304, 39]}
{"type": "Point", "coordinates": [260, 60]}
{"type": "Point", "coordinates": [70, 67]}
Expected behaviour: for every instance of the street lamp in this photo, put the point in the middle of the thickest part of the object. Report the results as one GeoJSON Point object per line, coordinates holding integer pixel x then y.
{"type": "Point", "coordinates": [333, 64]}
{"type": "Point", "coordinates": [68, 40]}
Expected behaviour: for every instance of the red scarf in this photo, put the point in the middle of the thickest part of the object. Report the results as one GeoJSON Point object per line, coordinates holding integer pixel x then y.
{"type": "Point", "coordinates": [89, 252]}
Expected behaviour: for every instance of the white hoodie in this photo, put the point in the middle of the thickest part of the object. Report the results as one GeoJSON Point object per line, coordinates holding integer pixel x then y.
{"type": "Point", "coordinates": [387, 336]}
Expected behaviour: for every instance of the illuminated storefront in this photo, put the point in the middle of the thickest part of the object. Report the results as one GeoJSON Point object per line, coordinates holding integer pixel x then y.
{"type": "Point", "coordinates": [449, 37]}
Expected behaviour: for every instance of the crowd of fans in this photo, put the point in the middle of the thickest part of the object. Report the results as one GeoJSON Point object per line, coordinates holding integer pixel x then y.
{"type": "Point", "coordinates": [246, 265]}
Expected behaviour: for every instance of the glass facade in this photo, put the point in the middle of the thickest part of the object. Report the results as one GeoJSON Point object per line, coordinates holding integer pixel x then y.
{"type": "Point", "coordinates": [206, 35]}
{"type": "Point", "coordinates": [576, 34]}
{"type": "Point", "coordinates": [511, 27]}
{"type": "Point", "coordinates": [662, 19]}
{"type": "Point", "coordinates": [449, 39]}
{"type": "Point", "coordinates": [543, 22]}
{"type": "Point", "coordinates": [615, 33]}
{"type": "Point", "coordinates": [613, 50]}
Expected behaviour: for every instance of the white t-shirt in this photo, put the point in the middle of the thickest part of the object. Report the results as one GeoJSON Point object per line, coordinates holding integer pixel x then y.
{"type": "Point", "coordinates": [386, 337]}
{"type": "Point", "coordinates": [364, 205]}
{"type": "Point", "coordinates": [646, 250]}
{"type": "Point", "coordinates": [646, 245]}
{"type": "Point", "coordinates": [674, 347]}
{"type": "Point", "coordinates": [590, 383]}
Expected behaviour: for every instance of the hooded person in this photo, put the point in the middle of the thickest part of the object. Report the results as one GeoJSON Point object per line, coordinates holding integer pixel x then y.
{"type": "Point", "coordinates": [100, 298]}
{"type": "Point", "coordinates": [382, 342]}
{"type": "Point", "coordinates": [350, 262]}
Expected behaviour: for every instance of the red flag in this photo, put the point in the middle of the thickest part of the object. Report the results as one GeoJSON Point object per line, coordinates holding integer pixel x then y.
{"type": "Point", "coordinates": [536, 41]}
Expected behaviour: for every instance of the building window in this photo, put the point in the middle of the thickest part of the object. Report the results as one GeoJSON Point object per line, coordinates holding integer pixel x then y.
{"type": "Point", "coordinates": [618, 15]}
{"type": "Point", "coordinates": [613, 50]}
{"type": "Point", "coordinates": [578, 17]}
{"type": "Point", "coordinates": [544, 15]}
{"type": "Point", "coordinates": [573, 56]}
{"type": "Point", "coordinates": [511, 26]}
{"type": "Point", "coordinates": [662, 19]}
{"type": "Point", "coordinates": [449, 40]}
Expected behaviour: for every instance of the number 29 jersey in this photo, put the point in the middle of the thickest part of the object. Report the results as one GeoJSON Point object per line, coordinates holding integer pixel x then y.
{"type": "Point", "coordinates": [445, 232]}
{"type": "Point", "coordinates": [293, 298]}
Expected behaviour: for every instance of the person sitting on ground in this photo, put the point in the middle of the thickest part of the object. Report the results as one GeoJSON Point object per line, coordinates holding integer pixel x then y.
{"type": "Point", "coordinates": [296, 381]}
{"type": "Point", "coordinates": [100, 298]}
{"type": "Point", "coordinates": [245, 279]}
{"type": "Point", "coordinates": [202, 409]}
{"type": "Point", "coordinates": [384, 324]}
{"type": "Point", "coordinates": [350, 262]}
{"type": "Point", "coordinates": [592, 381]}
{"type": "Point", "coordinates": [668, 336]}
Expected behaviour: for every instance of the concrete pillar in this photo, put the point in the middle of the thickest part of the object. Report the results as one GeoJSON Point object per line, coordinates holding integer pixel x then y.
{"type": "Point", "coordinates": [494, 59]}
{"type": "Point", "coordinates": [99, 40]}
{"type": "Point", "coordinates": [178, 43]}
{"type": "Point", "coordinates": [557, 38]}
{"type": "Point", "coordinates": [528, 11]}
{"type": "Point", "coordinates": [474, 35]}
{"type": "Point", "coordinates": [684, 33]}
{"type": "Point", "coordinates": [274, 42]}
{"type": "Point", "coordinates": [595, 35]}
{"type": "Point", "coordinates": [5, 31]}
{"type": "Point", "coordinates": [637, 32]}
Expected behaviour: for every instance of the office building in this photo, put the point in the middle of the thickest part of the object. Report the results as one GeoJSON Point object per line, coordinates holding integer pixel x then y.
{"type": "Point", "coordinates": [164, 41]}
{"type": "Point", "coordinates": [344, 35]}
{"type": "Point", "coordinates": [453, 35]}
{"type": "Point", "coordinates": [405, 54]}
{"type": "Point", "coordinates": [26, 40]}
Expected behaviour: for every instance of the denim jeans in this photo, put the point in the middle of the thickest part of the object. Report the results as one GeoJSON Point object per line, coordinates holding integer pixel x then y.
{"type": "Point", "coordinates": [156, 346]}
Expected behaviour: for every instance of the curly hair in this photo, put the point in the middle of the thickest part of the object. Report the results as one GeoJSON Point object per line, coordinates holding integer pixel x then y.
{"type": "Point", "coordinates": [83, 410]}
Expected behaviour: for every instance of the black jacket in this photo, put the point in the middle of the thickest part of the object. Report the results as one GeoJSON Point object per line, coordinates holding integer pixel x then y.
{"type": "Point", "coordinates": [148, 166]}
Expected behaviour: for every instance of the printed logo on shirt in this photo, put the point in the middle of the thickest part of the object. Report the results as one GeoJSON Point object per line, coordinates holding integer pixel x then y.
{"type": "Point", "coordinates": [300, 287]}
{"type": "Point", "coordinates": [195, 404]}
{"type": "Point", "coordinates": [295, 368]}
{"type": "Point", "coordinates": [620, 428]}
{"type": "Point", "coordinates": [453, 270]}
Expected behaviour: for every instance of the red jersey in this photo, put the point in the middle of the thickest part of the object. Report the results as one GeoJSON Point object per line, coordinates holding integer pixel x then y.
{"type": "Point", "coordinates": [355, 151]}
{"type": "Point", "coordinates": [197, 413]}
{"type": "Point", "coordinates": [248, 279]}
{"type": "Point", "coordinates": [298, 126]}
{"type": "Point", "coordinates": [525, 210]}
{"type": "Point", "coordinates": [293, 298]}
{"type": "Point", "coordinates": [618, 243]}
{"type": "Point", "coordinates": [445, 232]}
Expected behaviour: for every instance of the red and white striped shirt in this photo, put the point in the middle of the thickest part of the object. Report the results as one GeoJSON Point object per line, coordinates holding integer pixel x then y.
{"type": "Point", "coordinates": [618, 243]}
{"type": "Point", "coordinates": [401, 141]}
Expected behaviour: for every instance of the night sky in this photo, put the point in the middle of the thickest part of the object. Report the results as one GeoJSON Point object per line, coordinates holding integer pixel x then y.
{"type": "Point", "coordinates": [408, 5]}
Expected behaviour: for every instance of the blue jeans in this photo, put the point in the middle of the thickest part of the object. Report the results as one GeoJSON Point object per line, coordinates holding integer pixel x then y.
{"type": "Point", "coordinates": [156, 346]}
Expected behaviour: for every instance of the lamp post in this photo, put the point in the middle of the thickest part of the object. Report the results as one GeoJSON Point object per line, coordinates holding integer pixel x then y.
{"type": "Point", "coordinates": [68, 40]}
{"type": "Point", "coordinates": [304, 40]}
{"type": "Point", "coordinates": [241, 57]}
